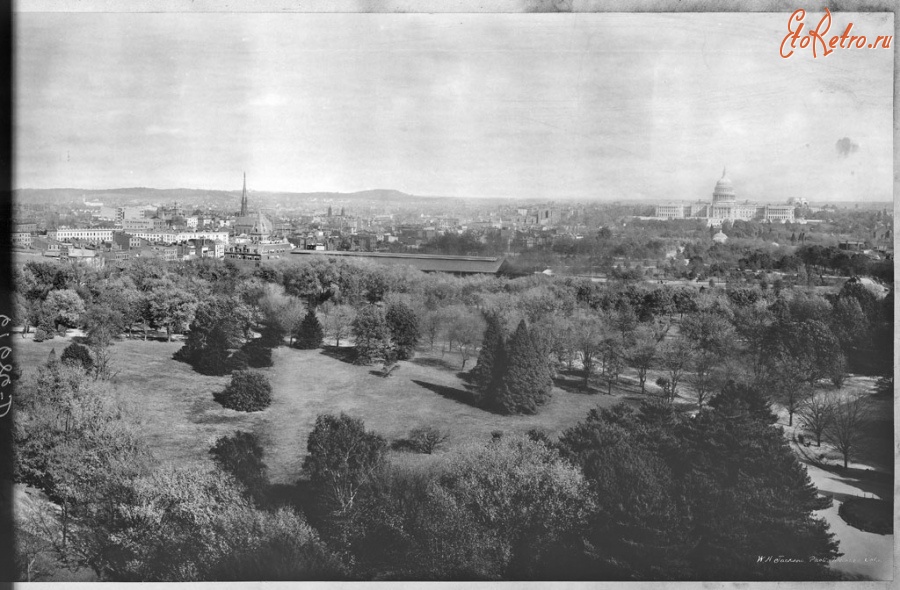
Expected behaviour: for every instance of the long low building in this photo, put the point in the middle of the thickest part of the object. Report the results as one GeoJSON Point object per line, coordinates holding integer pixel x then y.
{"type": "Point", "coordinates": [462, 265]}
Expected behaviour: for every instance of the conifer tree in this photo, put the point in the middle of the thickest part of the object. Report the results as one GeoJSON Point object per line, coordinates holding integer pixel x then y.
{"type": "Point", "coordinates": [491, 345]}
{"type": "Point", "coordinates": [310, 333]}
{"type": "Point", "coordinates": [526, 381]}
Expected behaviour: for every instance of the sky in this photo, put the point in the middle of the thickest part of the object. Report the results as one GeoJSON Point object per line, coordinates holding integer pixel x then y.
{"type": "Point", "coordinates": [518, 106]}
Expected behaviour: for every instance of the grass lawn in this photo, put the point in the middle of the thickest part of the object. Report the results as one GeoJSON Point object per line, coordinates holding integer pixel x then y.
{"type": "Point", "coordinates": [174, 409]}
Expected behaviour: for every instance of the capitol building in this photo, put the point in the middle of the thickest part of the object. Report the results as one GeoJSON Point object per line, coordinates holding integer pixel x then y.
{"type": "Point", "coordinates": [724, 207]}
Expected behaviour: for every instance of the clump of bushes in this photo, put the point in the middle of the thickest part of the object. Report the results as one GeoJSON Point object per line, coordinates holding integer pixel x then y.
{"type": "Point", "coordinates": [77, 355]}
{"type": "Point", "coordinates": [40, 334]}
{"type": "Point", "coordinates": [421, 440]}
{"type": "Point", "coordinates": [249, 391]}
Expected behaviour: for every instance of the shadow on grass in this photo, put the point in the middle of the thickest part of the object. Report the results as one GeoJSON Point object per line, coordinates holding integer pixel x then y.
{"type": "Point", "coordinates": [345, 354]}
{"type": "Point", "coordinates": [575, 386]}
{"type": "Point", "coordinates": [435, 363]}
{"type": "Point", "coordinates": [458, 395]}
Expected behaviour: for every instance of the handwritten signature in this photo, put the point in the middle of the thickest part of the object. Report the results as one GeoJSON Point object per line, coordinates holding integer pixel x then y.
{"type": "Point", "coordinates": [5, 351]}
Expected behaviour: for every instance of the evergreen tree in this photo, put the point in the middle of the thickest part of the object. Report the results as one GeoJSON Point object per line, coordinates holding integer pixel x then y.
{"type": "Point", "coordinates": [215, 330]}
{"type": "Point", "coordinates": [491, 346]}
{"type": "Point", "coordinates": [527, 380]}
{"type": "Point", "coordinates": [404, 327]}
{"type": "Point", "coordinates": [310, 333]}
{"type": "Point", "coordinates": [371, 334]}
{"type": "Point", "coordinates": [76, 354]}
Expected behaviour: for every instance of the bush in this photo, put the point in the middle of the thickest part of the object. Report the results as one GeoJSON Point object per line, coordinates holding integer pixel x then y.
{"type": "Point", "coordinates": [40, 334]}
{"type": "Point", "coordinates": [249, 391]}
{"type": "Point", "coordinates": [426, 440]}
{"type": "Point", "coordinates": [241, 455]}
{"type": "Point", "coordinates": [78, 355]}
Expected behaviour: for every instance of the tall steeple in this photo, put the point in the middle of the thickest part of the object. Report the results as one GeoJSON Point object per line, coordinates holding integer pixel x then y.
{"type": "Point", "coordinates": [244, 198]}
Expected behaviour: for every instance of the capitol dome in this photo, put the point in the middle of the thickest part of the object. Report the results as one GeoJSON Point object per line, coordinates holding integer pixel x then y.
{"type": "Point", "coordinates": [724, 190]}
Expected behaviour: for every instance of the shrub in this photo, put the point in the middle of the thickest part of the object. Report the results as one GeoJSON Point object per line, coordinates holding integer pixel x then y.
{"type": "Point", "coordinates": [426, 440]}
{"type": "Point", "coordinates": [76, 354]}
{"type": "Point", "coordinates": [241, 455]}
{"type": "Point", "coordinates": [249, 391]}
{"type": "Point", "coordinates": [40, 335]}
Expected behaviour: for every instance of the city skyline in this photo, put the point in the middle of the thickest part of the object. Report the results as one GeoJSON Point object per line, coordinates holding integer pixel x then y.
{"type": "Point", "coordinates": [584, 107]}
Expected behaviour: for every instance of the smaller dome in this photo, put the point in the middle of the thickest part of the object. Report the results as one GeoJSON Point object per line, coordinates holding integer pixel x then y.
{"type": "Point", "coordinates": [720, 237]}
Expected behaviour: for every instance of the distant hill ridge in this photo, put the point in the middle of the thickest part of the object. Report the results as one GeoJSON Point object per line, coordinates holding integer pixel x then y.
{"type": "Point", "coordinates": [121, 196]}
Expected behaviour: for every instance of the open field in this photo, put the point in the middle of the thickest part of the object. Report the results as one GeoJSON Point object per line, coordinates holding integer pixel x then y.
{"type": "Point", "coordinates": [174, 410]}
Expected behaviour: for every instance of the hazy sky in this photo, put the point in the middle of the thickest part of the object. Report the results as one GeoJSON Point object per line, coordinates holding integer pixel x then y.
{"type": "Point", "coordinates": [523, 106]}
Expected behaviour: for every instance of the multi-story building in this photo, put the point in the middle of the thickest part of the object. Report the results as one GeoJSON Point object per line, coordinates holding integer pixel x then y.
{"type": "Point", "coordinates": [724, 207]}
{"type": "Point", "coordinates": [93, 235]}
{"type": "Point", "coordinates": [257, 251]}
{"type": "Point", "coordinates": [80, 255]}
{"type": "Point", "coordinates": [144, 223]}
{"type": "Point", "coordinates": [21, 239]}
{"type": "Point", "coordinates": [171, 237]}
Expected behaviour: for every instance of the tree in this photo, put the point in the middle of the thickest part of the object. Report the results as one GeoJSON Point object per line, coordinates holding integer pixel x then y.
{"type": "Point", "coordinates": [249, 391]}
{"type": "Point", "coordinates": [64, 308]}
{"type": "Point", "coordinates": [210, 532]}
{"type": "Point", "coordinates": [526, 381]}
{"type": "Point", "coordinates": [675, 358]}
{"type": "Point", "coordinates": [467, 331]}
{"type": "Point", "coordinates": [341, 457]}
{"type": "Point", "coordinates": [707, 375]}
{"type": "Point", "coordinates": [808, 346]}
{"type": "Point", "coordinates": [404, 326]}
{"type": "Point", "coordinates": [817, 412]}
{"type": "Point", "coordinates": [791, 389]}
{"type": "Point", "coordinates": [78, 355]}
{"type": "Point", "coordinates": [310, 333]}
{"type": "Point", "coordinates": [372, 336]}
{"type": "Point", "coordinates": [524, 493]}
{"type": "Point", "coordinates": [432, 325]}
{"type": "Point", "coordinates": [216, 330]}
{"type": "Point", "coordinates": [103, 324]}
{"type": "Point", "coordinates": [338, 320]}
{"type": "Point", "coordinates": [171, 308]}
{"type": "Point", "coordinates": [738, 399]}
{"type": "Point", "coordinates": [611, 358]}
{"type": "Point", "coordinates": [241, 456]}
{"type": "Point", "coordinates": [670, 491]}
{"type": "Point", "coordinates": [642, 355]}
{"type": "Point", "coordinates": [588, 338]}
{"type": "Point", "coordinates": [492, 343]}
{"type": "Point", "coordinates": [846, 430]}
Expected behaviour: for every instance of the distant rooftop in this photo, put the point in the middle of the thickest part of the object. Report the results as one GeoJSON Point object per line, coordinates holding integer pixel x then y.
{"type": "Point", "coordinates": [423, 262]}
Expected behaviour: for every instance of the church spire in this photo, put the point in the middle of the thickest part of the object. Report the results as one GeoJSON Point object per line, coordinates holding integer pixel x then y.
{"type": "Point", "coordinates": [244, 198]}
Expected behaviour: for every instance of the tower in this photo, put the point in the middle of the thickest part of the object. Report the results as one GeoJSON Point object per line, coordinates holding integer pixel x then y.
{"type": "Point", "coordinates": [244, 198]}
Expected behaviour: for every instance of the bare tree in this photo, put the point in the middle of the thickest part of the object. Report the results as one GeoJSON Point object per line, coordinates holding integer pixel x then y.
{"type": "Point", "coordinates": [466, 330]}
{"type": "Point", "coordinates": [846, 431]}
{"type": "Point", "coordinates": [642, 355]}
{"type": "Point", "coordinates": [432, 324]}
{"type": "Point", "coordinates": [675, 359]}
{"type": "Point", "coordinates": [817, 413]}
{"type": "Point", "coordinates": [790, 387]}
{"type": "Point", "coordinates": [337, 322]}
{"type": "Point", "coordinates": [588, 339]}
